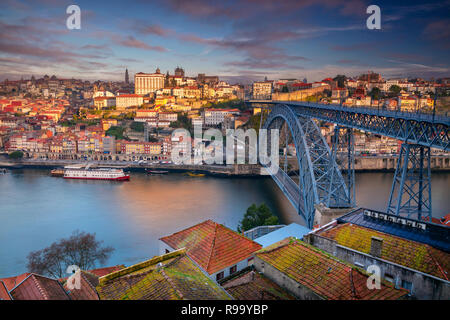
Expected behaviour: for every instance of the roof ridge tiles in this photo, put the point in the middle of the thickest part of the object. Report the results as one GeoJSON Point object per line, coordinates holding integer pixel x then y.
{"type": "Point", "coordinates": [436, 262]}
{"type": "Point", "coordinates": [184, 230]}
{"type": "Point", "coordinates": [212, 246]}
{"type": "Point", "coordinates": [172, 284]}
{"type": "Point", "coordinates": [38, 286]}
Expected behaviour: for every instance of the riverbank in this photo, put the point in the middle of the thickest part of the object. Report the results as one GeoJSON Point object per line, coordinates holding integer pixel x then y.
{"type": "Point", "coordinates": [362, 164]}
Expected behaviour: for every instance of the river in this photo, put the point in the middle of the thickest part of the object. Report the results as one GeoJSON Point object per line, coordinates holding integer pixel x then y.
{"type": "Point", "coordinates": [37, 209]}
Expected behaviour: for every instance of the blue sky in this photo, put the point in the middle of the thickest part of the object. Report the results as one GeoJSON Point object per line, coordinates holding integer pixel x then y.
{"type": "Point", "coordinates": [237, 40]}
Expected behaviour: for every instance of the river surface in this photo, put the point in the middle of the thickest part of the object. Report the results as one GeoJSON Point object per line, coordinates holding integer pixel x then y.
{"type": "Point", "coordinates": [37, 209]}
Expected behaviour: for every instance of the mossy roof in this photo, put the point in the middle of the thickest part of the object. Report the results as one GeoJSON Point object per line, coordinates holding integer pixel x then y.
{"type": "Point", "coordinates": [173, 276]}
{"type": "Point", "coordinates": [324, 274]}
{"type": "Point", "coordinates": [408, 253]}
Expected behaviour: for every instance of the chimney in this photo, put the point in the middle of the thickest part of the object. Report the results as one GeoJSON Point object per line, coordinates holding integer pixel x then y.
{"type": "Point", "coordinates": [376, 246]}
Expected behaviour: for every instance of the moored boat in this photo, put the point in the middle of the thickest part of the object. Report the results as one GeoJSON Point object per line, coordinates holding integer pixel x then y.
{"type": "Point", "coordinates": [193, 174]}
{"type": "Point", "coordinates": [96, 174]}
{"type": "Point", "coordinates": [157, 171]}
{"type": "Point", "coordinates": [58, 172]}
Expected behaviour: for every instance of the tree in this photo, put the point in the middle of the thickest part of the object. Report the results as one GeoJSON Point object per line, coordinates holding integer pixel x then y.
{"type": "Point", "coordinates": [137, 126]}
{"type": "Point", "coordinates": [395, 89]}
{"type": "Point", "coordinates": [375, 93]}
{"type": "Point", "coordinates": [80, 249]}
{"type": "Point", "coordinates": [115, 131]}
{"type": "Point", "coordinates": [340, 79]}
{"type": "Point", "coordinates": [257, 216]}
{"type": "Point", "coordinates": [16, 155]}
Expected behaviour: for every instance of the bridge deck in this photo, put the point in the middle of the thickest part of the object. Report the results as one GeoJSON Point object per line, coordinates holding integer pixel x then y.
{"type": "Point", "coordinates": [421, 128]}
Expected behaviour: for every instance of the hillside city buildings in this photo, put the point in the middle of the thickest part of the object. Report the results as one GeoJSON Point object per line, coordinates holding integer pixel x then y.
{"type": "Point", "coordinates": [52, 118]}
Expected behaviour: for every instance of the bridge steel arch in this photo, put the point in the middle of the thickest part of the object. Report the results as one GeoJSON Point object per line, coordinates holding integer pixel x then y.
{"type": "Point", "coordinates": [320, 180]}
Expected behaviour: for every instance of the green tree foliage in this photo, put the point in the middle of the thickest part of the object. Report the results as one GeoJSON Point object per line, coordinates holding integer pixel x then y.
{"type": "Point", "coordinates": [227, 104]}
{"type": "Point", "coordinates": [115, 131]}
{"type": "Point", "coordinates": [257, 216]}
{"type": "Point", "coordinates": [395, 89]}
{"type": "Point", "coordinates": [16, 155]}
{"type": "Point", "coordinates": [375, 93]}
{"type": "Point", "coordinates": [137, 126]}
{"type": "Point", "coordinates": [340, 79]}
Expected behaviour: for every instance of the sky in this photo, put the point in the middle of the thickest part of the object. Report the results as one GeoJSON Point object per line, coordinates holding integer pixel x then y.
{"type": "Point", "coordinates": [240, 41]}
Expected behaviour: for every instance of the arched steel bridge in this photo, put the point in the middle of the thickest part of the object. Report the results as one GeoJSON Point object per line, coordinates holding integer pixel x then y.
{"type": "Point", "coordinates": [320, 178]}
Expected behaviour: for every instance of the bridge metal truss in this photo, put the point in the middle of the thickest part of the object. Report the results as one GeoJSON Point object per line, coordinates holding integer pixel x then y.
{"type": "Point", "coordinates": [424, 129]}
{"type": "Point", "coordinates": [411, 190]}
{"type": "Point", "coordinates": [343, 152]}
{"type": "Point", "coordinates": [319, 178]}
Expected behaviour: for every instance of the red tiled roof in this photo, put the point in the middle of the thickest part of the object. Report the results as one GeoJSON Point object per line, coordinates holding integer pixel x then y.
{"type": "Point", "coordinates": [251, 285]}
{"type": "Point", "coordinates": [11, 282]}
{"type": "Point", "coordinates": [87, 291]}
{"type": "Point", "coordinates": [36, 287]}
{"type": "Point", "coordinates": [213, 246]}
{"type": "Point", "coordinates": [4, 295]}
{"type": "Point", "coordinates": [100, 272]}
{"type": "Point", "coordinates": [324, 274]}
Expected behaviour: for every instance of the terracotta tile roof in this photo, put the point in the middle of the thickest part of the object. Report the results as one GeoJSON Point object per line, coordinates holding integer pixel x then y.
{"type": "Point", "coordinates": [408, 253]}
{"type": "Point", "coordinates": [11, 282]}
{"type": "Point", "coordinates": [213, 246]}
{"type": "Point", "coordinates": [4, 294]}
{"type": "Point", "coordinates": [324, 274]}
{"type": "Point", "coordinates": [36, 287]}
{"type": "Point", "coordinates": [250, 285]}
{"type": "Point", "coordinates": [87, 290]}
{"type": "Point", "coordinates": [173, 276]}
{"type": "Point", "coordinates": [100, 272]}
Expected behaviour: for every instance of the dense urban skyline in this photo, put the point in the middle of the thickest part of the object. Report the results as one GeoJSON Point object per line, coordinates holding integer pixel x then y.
{"type": "Point", "coordinates": [239, 42]}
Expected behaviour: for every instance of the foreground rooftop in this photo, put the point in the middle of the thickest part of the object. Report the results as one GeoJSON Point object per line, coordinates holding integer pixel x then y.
{"type": "Point", "coordinates": [173, 276]}
{"type": "Point", "coordinates": [324, 274]}
{"type": "Point", "coordinates": [212, 245]}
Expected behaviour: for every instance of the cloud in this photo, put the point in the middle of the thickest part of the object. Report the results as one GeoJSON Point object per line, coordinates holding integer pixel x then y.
{"type": "Point", "coordinates": [132, 42]}
{"type": "Point", "coordinates": [438, 31]}
{"type": "Point", "coordinates": [152, 29]}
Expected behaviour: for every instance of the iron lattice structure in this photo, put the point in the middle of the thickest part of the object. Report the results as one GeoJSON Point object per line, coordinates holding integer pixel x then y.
{"type": "Point", "coordinates": [318, 178]}
{"type": "Point", "coordinates": [424, 129]}
{"type": "Point", "coordinates": [411, 189]}
{"type": "Point", "coordinates": [343, 152]}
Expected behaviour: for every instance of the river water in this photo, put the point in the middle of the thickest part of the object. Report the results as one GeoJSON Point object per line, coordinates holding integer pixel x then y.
{"type": "Point", "coordinates": [37, 209]}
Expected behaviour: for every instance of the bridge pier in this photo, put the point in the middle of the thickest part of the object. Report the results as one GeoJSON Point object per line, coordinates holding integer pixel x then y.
{"type": "Point", "coordinates": [324, 215]}
{"type": "Point", "coordinates": [411, 189]}
{"type": "Point", "coordinates": [345, 159]}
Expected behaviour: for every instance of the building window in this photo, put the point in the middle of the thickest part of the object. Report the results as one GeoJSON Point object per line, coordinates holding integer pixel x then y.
{"type": "Point", "coordinates": [233, 269]}
{"type": "Point", "coordinates": [167, 251]}
{"type": "Point", "coordinates": [219, 276]}
{"type": "Point", "coordinates": [250, 261]}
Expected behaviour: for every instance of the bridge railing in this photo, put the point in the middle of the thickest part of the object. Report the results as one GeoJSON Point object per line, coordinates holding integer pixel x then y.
{"type": "Point", "coordinates": [424, 115]}
{"type": "Point", "coordinates": [419, 114]}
